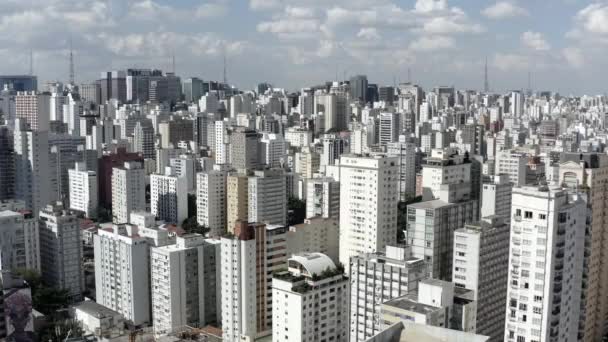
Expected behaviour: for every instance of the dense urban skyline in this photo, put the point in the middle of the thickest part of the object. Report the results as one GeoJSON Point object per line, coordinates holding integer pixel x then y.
{"type": "Point", "coordinates": [295, 43]}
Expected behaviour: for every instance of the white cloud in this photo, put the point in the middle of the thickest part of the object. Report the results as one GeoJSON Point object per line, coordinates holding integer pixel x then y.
{"type": "Point", "coordinates": [426, 6]}
{"type": "Point", "coordinates": [211, 10]}
{"type": "Point", "coordinates": [574, 57]}
{"type": "Point", "coordinates": [535, 41]}
{"type": "Point", "coordinates": [432, 43]}
{"type": "Point", "coordinates": [508, 62]}
{"type": "Point", "coordinates": [594, 18]}
{"type": "Point", "coordinates": [451, 25]}
{"type": "Point", "coordinates": [262, 5]}
{"type": "Point", "coordinates": [369, 33]}
{"type": "Point", "coordinates": [291, 28]}
{"type": "Point", "coordinates": [504, 9]}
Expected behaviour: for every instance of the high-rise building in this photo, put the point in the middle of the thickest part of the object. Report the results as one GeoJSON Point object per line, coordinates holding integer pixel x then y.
{"type": "Point", "coordinates": [386, 94]}
{"type": "Point", "coordinates": [406, 152]}
{"type": "Point", "coordinates": [83, 190]}
{"type": "Point", "coordinates": [430, 233]}
{"type": "Point", "coordinates": [310, 300]}
{"type": "Point", "coordinates": [389, 129]}
{"type": "Point", "coordinates": [237, 199]}
{"type": "Point", "coordinates": [267, 197]}
{"type": "Point", "coordinates": [61, 250]}
{"type": "Point", "coordinates": [333, 147]}
{"type": "Point", "coordinates": [323, 198]}
{"type": "Point", "coordinates": [513, 164]}
{"type": "Point", "coordinates": [174, 131]}
{"type": "Point", "coordinates": [588, 172]}
{"type": "Point", "coordinates": [444, 168]}
{"type": "Point", "coordinates": [128, 191]}
{"type": "Point", "coordinates": [106, 165]}
{"type": "Point", "coordinates": [122, 271]}
{"type": "Point", "coordinates": [32, 183]}
{"type": "Point", "coordinates": [19, 248]}
{"type": "Point", "coordinates": [113, 85]}
{"type": "Point", "coordinates": [315, 235]}
{"type": "Point", "coordinates": [90, 92]}
{"type": "Point", "coordinates": [369, 191]}
{"type": "Point", "coordinates": [273, 150]}
{"type": "Point", "coordinates": [144, 139]}
{"type": "Point", "coordinates": [545, 265]}
{"type": "Point", "coordinates": [517, 104]}
{"type": "Point", "coordinates": [7, 164]}
{"type": "Point", "coordinates": [185, 284]}
{"type": "Point", "coordinates": [358, 88]}
{"type": "Point", "coordinates": [19, 82]}
{"type": "Point", "coordinates": [193, 89]}
{"type": "Point", "coordinates": [376, 278]}
{"type": "Point", "coordinates": [34, 109]}
{"type": "Point", "coordinates": [211, 200]}
{"type": "Point", "coordinates": [481, 251]}
{"type": "Point", "coordinates": [248, 260]}
{"type": "Point", "coordinates": [244, 149]}
{"type": "Point", "coordinates": [221, 141]}
{"type": "Point", "coordinates": [169, 197]}
{"type": "Point", "coordinates": [496, 198]}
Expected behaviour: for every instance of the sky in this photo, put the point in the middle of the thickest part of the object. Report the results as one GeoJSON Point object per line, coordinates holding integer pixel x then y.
{"type": "Point", "coordinates": [562, 44]}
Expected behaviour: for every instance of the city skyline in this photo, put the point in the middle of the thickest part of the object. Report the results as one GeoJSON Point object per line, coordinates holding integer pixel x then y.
{"type": "Point", "coordinates": [296, 43]}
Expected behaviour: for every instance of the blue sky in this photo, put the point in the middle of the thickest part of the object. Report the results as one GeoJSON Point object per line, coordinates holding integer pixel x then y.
{"type": "Point", "coordinates": [296, 43]}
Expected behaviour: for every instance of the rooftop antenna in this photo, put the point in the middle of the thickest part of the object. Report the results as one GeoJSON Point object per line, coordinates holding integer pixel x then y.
{"type": "Point", "coordinates": [486, 83]}
{"type": "Point", "coordinates": [529, 82]}
{"type": "Point", "coordinates": [31, 62]}
{"type": "Point", "coordinates": [225, 78]}
{"type": "Point", "coordinates": [71, 63]}
{"type": "Point", "coordinates": [173, 63]}
{"type": "Point", "coordinates": [409, 75]}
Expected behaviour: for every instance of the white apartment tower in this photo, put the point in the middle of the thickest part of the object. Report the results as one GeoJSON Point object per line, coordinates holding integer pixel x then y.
{"type": "Point", "coordinates": [185, 284]}
{"type": "Point", "coordinates": [122, 272]}
{"type": "Point", "coordinates": [61, 250]}
{"type": "Point", "coordinates": [273, 150]}
{"type": "Point", "coordinates": [369, 191]}
{"type": "Point", "coordinates": [513, 164]}
{"type": "Point", "coordinates": [389, 128]}
{"type": "Point", "coordinates": [323, 198]}
{"type": "Point", "coordinates": [267, 197]}
{"type": "Point", "coordinates": [496, 197]}
{"type": "Point", "coordinates": [211, 200]}
{"type": "Point", "coordinates": [481, 251]}
{"type": "Point", "coordinates": [19, 248]}
{"type": "Point", "coordinates": [545, 265]}
{"type": "Point", "coordinates": [169, 197]}
{"type": "Point", "coordinates": [310, 300]}
{"type": "Point", "coordinates": [83, 190]}
{"type": "Point", "coordinates": [128, 191]}
{"type": "Point", "coordinates": [443, 167]}
{"type": "Point", "coordinates": [376, 278]}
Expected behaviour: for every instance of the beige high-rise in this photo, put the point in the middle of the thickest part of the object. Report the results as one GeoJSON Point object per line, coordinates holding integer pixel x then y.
{"type": "Point", "coordinates": [237, 200]}
{"type": "Point", "coordinates": [589, 172]}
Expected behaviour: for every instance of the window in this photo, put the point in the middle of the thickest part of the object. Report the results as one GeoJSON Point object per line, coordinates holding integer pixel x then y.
{"type": "Point", "coordinates": [528, 214]}
{"type": "Point", "coordinates": [521, 339]}
{"type": "Point", "coordinates": [542, 216]}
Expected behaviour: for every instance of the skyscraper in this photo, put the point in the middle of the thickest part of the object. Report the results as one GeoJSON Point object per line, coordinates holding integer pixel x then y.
{"type": "Point", "coordinates": [169, 197]}
{"type": "Point", "coordinates": [369, 191]}
{"type": "Point", "coordinates": [7, 164]}
{"type": "Point", "coordinates": [128, 191]}
{"type": "Point", "coordinates": [545, 265]}
{"type": "Point", "coordinates": [34, 109]}
{"type": "Point", "coordinates": [83, 190]}
{"type": "Point", "coordinates": [61, 250]}
{"type": "Point", "coordinates": [211, 200]}
{"type": "Point", "coordinates": [358, 88]}
{"type": "Point", "coordinates": [267, 191]}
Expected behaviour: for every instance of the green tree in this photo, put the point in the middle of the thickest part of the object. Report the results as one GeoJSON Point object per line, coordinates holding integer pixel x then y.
{"type": "Point", "coordinates": [46, 299]}
{"type": "Point", "coordinates": [296, 210]}
{"type": "Point", "coordinates": [191, 226]}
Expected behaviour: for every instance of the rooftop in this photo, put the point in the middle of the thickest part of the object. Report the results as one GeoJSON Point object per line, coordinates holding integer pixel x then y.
{"type": "Point", "coordinates": [409, 304]}
{"type": "Point", "coordinates": [94, 309]}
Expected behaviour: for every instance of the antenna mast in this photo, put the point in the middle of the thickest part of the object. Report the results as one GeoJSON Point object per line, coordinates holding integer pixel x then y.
{"type": "Point", "coordinates": [71, 63]}
{"type": "Point", "coordinates": [486, 83]}
{"type": "Point", "coordinates": [31, 62]}
{"type": "Point", "coordinates": [225, 77]}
